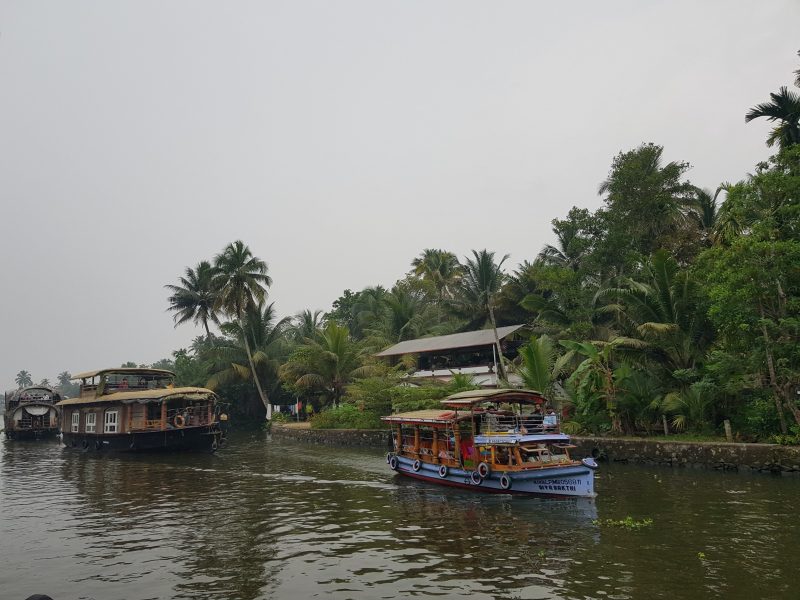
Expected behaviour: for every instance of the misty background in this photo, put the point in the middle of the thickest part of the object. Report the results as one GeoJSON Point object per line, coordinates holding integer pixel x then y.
{"type": "Point", "coordinates": [338, 140]}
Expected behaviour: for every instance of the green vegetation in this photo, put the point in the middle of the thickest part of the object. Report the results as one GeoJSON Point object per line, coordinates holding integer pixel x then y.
{"type": "Point", "coordinates": [628, 523]}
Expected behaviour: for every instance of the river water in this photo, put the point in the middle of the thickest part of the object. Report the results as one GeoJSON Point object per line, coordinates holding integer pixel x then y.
{"type": "Point", "coordinates": [269, 519]}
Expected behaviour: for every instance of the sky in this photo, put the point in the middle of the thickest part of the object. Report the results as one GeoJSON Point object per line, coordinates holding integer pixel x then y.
{"type": "Point", "coordinates": [336, 139]}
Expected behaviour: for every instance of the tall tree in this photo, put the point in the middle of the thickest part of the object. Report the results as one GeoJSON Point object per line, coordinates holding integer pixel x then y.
{"type": "Point", "coordinates": [306, 324]}
{"type": "Point", "coordinates": [784, 110]}
{"type": "Point", "coordinates": [194, 299]}
{"type": "Point", "coordinates": [325, 365]}
{"type": "Point", "coordinates": [240, 284]}
{"type": "Point", "coordinates": [23, 379]}
{"type": "Point", "coordinates": [475, 298]}
{"type": "Point", "coordinates": [440, 269]}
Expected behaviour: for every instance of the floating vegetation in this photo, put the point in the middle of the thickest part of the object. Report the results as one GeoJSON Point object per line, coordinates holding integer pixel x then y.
{"type": "Point", "coordinates": [628, 523]}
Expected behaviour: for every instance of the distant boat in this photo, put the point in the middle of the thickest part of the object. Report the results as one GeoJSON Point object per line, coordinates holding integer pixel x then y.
{"type": "Point", "coordinates": [492, 441]}
{"type": "Point", "coordinates": [139, 409]}
{"type": "Point", "coordinates": [30, 413]}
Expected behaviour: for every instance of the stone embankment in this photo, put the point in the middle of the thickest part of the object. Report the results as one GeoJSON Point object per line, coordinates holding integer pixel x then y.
{"type": "Point", "coordinates": [708, 455]}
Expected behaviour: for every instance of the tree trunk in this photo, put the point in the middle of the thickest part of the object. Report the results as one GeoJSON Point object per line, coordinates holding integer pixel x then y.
{"type": "Point", "coordinates": [261, 393]}
{"type": "Point", "coordinates": [773, 378]}
{"type": "Point", "coordinates": [501, 367]}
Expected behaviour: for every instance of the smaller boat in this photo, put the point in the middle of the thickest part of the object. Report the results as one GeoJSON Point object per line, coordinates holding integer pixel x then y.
{"type": "Point", "coordinates": [139, 409]}
{"type": "Point", "coordinates": [31, 413]}
{"type": "Point", "coordinates": [500, 441]}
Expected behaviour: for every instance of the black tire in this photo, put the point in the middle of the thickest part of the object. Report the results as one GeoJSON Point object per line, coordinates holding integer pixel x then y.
{"type": "Point", "coordinates": [484, 470]}
{"type": "Point", "coordinates": [393, 464]}
{"type": "Point", "coordinates": [443, 471]}
{"type": "Point", "coordinates": [475, 478]}
{"type": "Point", "coordinates": [417, 465]}
{"type": "Point", "coordinates": [505, 482]}
{"type": "Point", "coordinates": [388, 457]}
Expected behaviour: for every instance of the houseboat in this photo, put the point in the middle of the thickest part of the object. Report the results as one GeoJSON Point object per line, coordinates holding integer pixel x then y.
{"type": "Point", "coordinates": [493, 440]}
{"type": "Point", "coordinates": [139, 409]}
{"type": "Point", "coordinates": [31, 413]}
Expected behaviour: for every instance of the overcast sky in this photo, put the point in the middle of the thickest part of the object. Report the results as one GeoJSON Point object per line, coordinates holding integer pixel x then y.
{"type": "Point", "coordinates": [337, 139]}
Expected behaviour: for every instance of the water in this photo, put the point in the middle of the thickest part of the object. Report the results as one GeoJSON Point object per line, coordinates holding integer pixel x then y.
{"type": "Point", "coordinates": [269, 519]}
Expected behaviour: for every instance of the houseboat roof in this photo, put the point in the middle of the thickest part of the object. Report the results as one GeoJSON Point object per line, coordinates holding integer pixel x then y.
{"type": "Point", "coordinates": [131, 370]}
{"type": "Point", "coordinates": [473, 397]}
{"type": "Point", "coordinates": [31, 388]}
{"type": "Point", "coordinates": [468, 339]}
{"type": "Point", "coordinates": [129, 396]}
{"type": "Point", "coordinates": [427, 416]}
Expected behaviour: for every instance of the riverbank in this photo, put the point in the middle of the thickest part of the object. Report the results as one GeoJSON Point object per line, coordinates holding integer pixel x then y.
{"type": "Point", "coordinates": [703, 455]}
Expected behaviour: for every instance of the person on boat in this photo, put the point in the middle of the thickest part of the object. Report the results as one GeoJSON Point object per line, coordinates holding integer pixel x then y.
{"type": "Point", "coordinates": [124, 384]}
{"type": "Point", "coordinates": [550, 420]}
{"type": "Point", "coordinates": [143, 383]}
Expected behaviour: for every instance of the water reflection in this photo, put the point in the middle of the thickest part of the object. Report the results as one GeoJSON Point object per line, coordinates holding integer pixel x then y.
{"type": "Point", "coordinates": [264, 519]}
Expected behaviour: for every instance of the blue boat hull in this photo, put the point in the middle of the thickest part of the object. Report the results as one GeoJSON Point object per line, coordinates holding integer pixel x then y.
{"type": "Point", "coordinates": [568, 480]}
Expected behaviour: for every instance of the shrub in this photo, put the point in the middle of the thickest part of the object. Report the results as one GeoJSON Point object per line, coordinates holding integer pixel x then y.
{"type": "Point", "coordinates": [280, 417]}
{"type": "Point", "coordinates": [346, 416]}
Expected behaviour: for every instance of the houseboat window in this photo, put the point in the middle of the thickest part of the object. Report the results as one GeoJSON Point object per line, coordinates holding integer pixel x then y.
{"type": "Point", "coordinates": [76, 421]}
{"type": "Point", "coordinates": [111, 422]}
{"type": "Point", "coordinates": [91, 422]}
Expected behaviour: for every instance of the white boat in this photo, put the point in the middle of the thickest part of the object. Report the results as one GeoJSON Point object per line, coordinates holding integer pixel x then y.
{"type": "Point", "coordinates": [502, 441]}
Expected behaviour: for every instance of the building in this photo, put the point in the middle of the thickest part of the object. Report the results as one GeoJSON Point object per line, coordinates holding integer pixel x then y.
{"type": "Point", "coordinates": [471, 353]}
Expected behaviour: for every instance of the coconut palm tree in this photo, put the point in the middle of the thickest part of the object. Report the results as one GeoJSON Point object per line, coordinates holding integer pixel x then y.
{"type": "Point", "coordinates": [263, 335]}
{"type": "Point", "coordinates": [784, 110]}
{"type": "Point", "coordinates": [195, 298]}
{"type": "Point", "coordinates": [45, 382]}
{"type": "Point", "coordinates": [440, 269]}
{"type": "Point", "coordinates": [326, 364]}
{"type": "Point", "coordinates": [23, 379]}
{"type": "Point", "coordinates": [306, 324]}
{"type": "Point", "coordinates": [475, 297]}
{"type": "Point", "coordinates": [541, 367]}
{"type": "Point", "coordinates": [240, 284]}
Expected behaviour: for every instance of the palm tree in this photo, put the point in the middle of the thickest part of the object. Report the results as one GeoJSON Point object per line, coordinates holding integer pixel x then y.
{"type": "Point", "coordinates": [23, 379]}
{"type": "Point", "coordinates": [440, 269]}
{"type": "Point", "coordinates": [263, 335]}
{"type": "Point", "coordinates": [567, 253]}
{"type": "Point", "coordinates": [240, 284]}
{"type": "Point", "coordinates": [784, 109]}
{"type": "Point", "coordinates": [475, 299]}
{"type": "Point", "coordinates": [45, 382]}
{"type": "Point", "coordinates": [64, 378]}
{"type": "Point", "coordinates": [195, 298]}
{"type": "Point", "coordinates": [307, 324]}
{"type": "Point", "coordinates": [325, 364]}
{"type": "Point", "coordinates": [541, 367]}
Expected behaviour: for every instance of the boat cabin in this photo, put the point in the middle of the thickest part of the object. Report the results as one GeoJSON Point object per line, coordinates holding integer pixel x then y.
{"type": "Point", "coordinates": [138, 408]}
{"type": "Point", "coordinates": [507, 430]}
{"type": "Point", "coordinates": [31, 412]}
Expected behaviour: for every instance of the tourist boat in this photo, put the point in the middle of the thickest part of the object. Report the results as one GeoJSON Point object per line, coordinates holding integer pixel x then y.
{"type": "Point", "coordinates": [139, 409]}
{"type": "Point", "coordinates": [496, 440]}
{"type": "Point", "coordinates": [31, 413]}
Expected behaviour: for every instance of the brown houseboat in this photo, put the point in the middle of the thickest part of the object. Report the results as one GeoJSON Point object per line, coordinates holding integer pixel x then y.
{"type": "Point", "coordinates": [139, 409]}
{"type": "Point", "coordinates": [31, 413]}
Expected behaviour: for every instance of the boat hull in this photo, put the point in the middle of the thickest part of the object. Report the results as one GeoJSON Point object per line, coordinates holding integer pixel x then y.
{"type": "Point", "coordinates": [568, 480]}
{"type": "Point", "coordinates": [200, 439]}
{"type": "Point", "coordinates": [31, 434]}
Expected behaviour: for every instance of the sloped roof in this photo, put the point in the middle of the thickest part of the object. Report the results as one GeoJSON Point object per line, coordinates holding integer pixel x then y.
{"type": "Point", "coordinates": [437, 415]}
{"type": "Point", "coordinates": [468, 339]}
{"type": "Point", "coordinates": [471, 397]}
{"type": "Point", "coordinates": [124, 370]}
{"type": "Point", "coordinates": [131, 395]}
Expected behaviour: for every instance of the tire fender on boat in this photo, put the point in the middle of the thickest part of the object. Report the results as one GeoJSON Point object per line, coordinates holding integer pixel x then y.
{"type": "Point", "coordinates": [589, 462]}
{"type": "Point", "coordinates": [483, 470]}
{"type": "Point", "coordinates": [389, 456]}
{"type": "Point", "coordinates": [179, 421]}
{"type": "Point", "coordinates": [476, 478]}
{"type": "Point", "coordinates": [505, 481]}
{"type": "Point", "coordinates": [393, 463]}
{"type": "Point", "coordinates": [416, 466]}
{"type": "Point", "coordinates": [443, 471]}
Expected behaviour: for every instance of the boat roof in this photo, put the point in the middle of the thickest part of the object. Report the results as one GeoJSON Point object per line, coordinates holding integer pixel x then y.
{"type": "Point", "coordinates": [453, 341]}
{"type": "Point", "coordinates": [436, 415]}
{"type": "Point", "coordinates": [31, 388]}
{"type": "Point", "coordinates": [134, 395]}
{"type": "Point", "coordinates": [131, 370]}
{"type": "Point", "coordinates": [472, 397]}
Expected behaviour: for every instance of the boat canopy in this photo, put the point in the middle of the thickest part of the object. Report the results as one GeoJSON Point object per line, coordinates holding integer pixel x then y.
{"type": "Point", "coordinates": [125, 371]}
{"type": "Point", "coordinates": [428, 416]}
{"type": "Point", "coordinates": [130, 396]}
{"type": "Point", "coordinates": [472, 398]}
